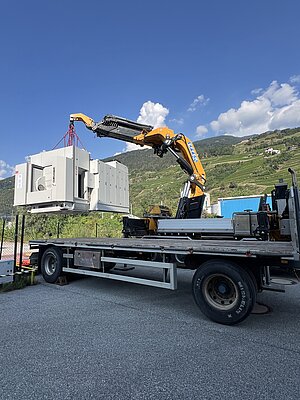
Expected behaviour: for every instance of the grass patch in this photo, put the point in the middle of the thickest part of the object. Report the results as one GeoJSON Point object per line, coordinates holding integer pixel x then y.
{"type": "Point", "coordinates": [20, 282]}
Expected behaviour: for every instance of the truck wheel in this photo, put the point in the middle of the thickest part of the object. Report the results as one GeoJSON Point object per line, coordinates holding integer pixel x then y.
{"type": "Point", "coordinates": [224, 292]}
{"type": "Point", "coordinates": [52, 264]}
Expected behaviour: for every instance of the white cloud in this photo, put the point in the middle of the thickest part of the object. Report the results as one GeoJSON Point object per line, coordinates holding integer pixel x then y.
{"type": "Point", "coordinates": [280, 95]}
{"type": "Point", "coordinates": [178, 121]}
{"type": "Point", "coordinates": [6, 170]}
{"type": "Point", "coordinates": [132, 146]}
{"type": "Point", "coordinates": [256, 91]}
{"type": "Point", "coordinates": [295, 79]}
{"type": "Point", "coordinates": [201, 130]}
{"type": "Point", "coordinates": [286, 117]}
{"type": "Point", "coordinates": [199, 100]}
{"type": "Point", "coordinates": [150, 114]}
{"type": "Point", "coordinates": [276, 107]}
{"type": "Point", "coordinates": [153, 114]}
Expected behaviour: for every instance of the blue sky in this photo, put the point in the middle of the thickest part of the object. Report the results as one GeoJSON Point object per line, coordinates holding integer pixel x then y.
{"type": "Point", "coordinates": [201, 67]}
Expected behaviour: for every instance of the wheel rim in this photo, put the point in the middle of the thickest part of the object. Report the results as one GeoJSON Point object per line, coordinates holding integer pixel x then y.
{"type": "Point", "coordinates": [50, 264]}
{"type": "Point", "coordinates": [220, 291]}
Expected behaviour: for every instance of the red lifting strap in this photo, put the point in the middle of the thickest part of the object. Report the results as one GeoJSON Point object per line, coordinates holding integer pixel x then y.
{"type": "Point", "coordinates": [70, 138]}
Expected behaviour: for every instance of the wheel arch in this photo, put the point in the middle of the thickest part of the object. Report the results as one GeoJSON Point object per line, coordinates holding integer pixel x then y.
{"type": "Point", "coordinates": [254, 266]}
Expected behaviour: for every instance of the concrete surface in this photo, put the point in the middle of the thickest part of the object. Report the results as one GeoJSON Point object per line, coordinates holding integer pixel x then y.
{"type": "Point", "coordinates": [101, 339]}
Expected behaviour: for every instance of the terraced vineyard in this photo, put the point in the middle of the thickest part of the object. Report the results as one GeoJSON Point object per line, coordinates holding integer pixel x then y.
{"type": "Point", "coordinates": [245, 170]}
{"type": "Point", "coordinates": [249, 170]}
{"type": "Point", "coordinates": [234, 166]}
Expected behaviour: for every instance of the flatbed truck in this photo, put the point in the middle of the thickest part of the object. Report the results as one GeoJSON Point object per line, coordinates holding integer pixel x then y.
{"type": "Point", "coordinates": [233, 259]}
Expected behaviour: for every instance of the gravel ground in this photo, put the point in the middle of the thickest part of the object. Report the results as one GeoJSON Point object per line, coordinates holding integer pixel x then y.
{"type": "Point", "coordinates": [100, 339]}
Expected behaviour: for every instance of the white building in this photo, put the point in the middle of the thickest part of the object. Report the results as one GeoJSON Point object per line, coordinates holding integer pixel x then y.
{"type": "Point", "coordinates": [272, 151]}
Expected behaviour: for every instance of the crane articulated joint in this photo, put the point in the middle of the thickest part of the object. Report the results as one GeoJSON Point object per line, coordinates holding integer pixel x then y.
{"type": "Point", "coordinates": [89, 122]}
{"type": "Point", "coordinates": [195, 180]}
{"type": "Point", "coordinates": [168, 143]}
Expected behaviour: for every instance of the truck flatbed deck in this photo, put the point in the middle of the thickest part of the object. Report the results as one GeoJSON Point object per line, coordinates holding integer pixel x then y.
{"type": "Point", "coordinates": [242, 248]}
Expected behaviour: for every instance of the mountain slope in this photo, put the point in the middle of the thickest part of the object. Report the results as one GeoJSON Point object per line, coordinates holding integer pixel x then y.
{"type": "Point", "coordinates": [6, 195]}
{"type": "Point", "coordinates": [144, 160]}
{"type": "Point", "coordinates": [234, 166]}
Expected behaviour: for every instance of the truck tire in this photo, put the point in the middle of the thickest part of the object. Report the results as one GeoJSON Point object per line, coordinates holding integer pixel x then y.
{"type": "Point", "coordinates": [52, 264]}
{"type": "Point", "coordinates": [223, 291]}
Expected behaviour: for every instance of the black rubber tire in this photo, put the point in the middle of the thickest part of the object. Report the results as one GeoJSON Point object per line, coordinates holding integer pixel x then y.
{"type": "Point", "coordinates": [238, 286]}
{"type": "Point", "coordinates": [51, 264]}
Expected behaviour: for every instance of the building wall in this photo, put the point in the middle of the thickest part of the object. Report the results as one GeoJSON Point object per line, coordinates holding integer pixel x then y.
{"type": "Point", "coordinates": [228, 206]}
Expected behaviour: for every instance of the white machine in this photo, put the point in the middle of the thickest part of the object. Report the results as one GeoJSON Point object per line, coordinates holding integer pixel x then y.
{"type": "Point", "coordinates": [67, 180]}
{"type": "Point", "coordinates": [6, 271]}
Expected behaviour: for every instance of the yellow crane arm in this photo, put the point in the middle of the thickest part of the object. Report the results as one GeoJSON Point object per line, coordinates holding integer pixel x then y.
{"type": "Point", "coordinates": [177, 144]}
{"type": "Point", "coordinates": [160, 139]}
{"type": "Point", "coordinates": [89, 122]}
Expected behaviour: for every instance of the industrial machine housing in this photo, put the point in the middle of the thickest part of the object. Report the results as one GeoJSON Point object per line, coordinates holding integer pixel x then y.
{"type": "Point", "coordinates": [67, 180]}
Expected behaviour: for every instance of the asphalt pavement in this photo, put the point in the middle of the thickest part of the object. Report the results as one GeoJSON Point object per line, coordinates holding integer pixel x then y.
{"type": "Point", "coordinates": [102, 339]}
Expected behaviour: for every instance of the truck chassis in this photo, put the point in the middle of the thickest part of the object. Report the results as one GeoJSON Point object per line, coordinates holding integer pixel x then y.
{"type": "Point", "coordinates": [229, 270]}
{"type": "Point", "coordinates": [228, 273]}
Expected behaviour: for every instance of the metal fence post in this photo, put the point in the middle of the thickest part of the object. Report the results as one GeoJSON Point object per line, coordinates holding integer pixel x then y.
{"type": "Point", "coordinates": [16, 243]}
{"type": "Point", "coordinates": [2, 237]}
{"type": "Point", "coordinates": [22, 240]}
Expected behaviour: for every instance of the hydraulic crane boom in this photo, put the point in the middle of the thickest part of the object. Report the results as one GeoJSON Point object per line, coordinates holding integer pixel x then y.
{"type": "Point", "coordinates": [161, 140]}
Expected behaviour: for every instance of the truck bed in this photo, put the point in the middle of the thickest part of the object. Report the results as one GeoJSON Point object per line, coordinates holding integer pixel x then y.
{"type": "Point", "coordinates": [226, 283]}
{"type": "Point", "coordinates": [244, 248]}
